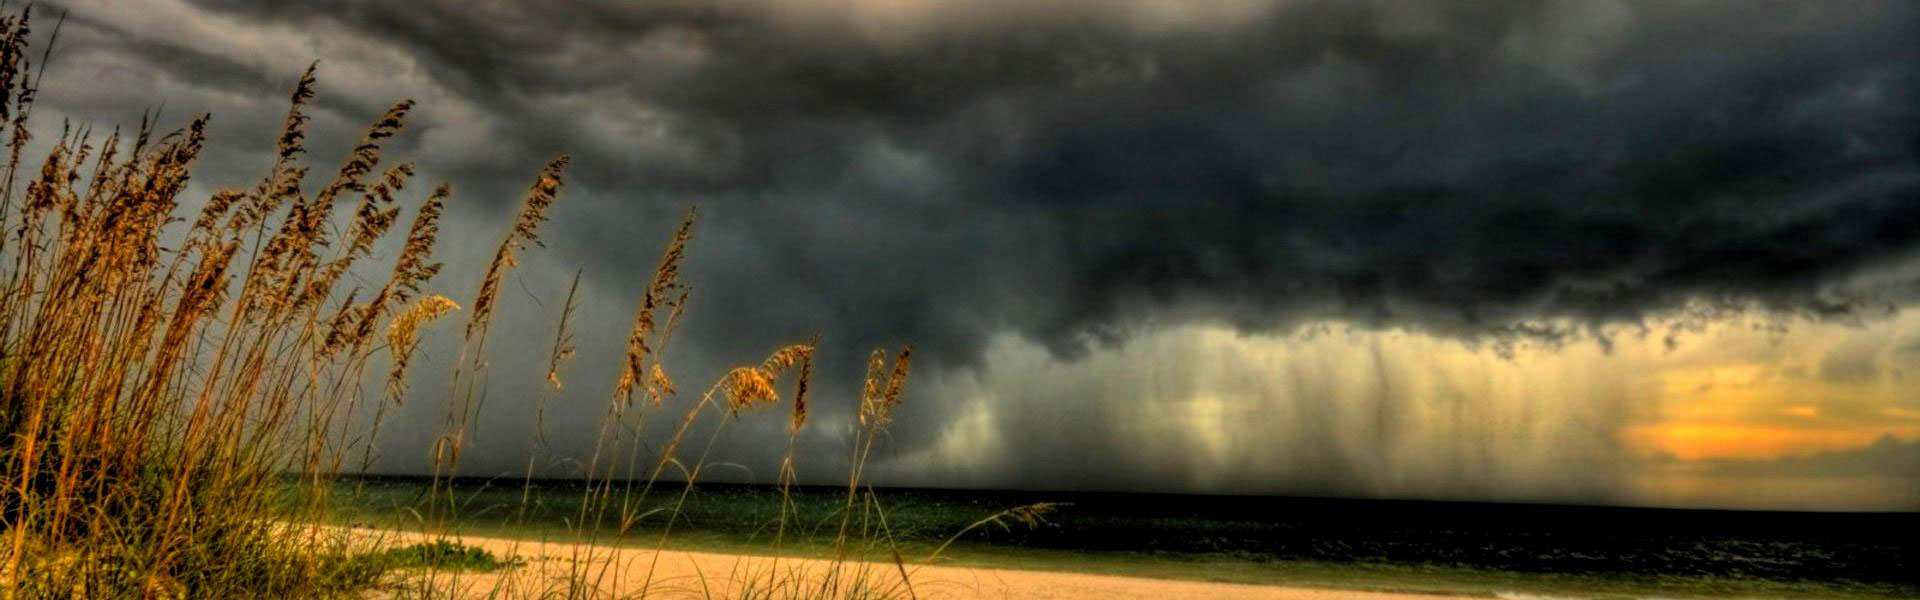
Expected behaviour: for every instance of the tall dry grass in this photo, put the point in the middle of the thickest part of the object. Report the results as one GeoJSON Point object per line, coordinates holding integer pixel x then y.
{"type": "Point", "coordinates": [160, 387]}
{"type": "Point", "coordinates": [176, 404]}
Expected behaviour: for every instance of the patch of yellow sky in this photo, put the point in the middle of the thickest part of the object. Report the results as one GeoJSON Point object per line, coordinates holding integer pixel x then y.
{"type": "Point", "coordinates": [1744, 388]}
{"type": "Point", "coordinates": [1741, 392]}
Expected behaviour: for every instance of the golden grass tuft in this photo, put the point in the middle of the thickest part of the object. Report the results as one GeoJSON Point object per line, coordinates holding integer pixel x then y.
{"type": "Point", "coordinates": [403, 338]}
{"type": "Point", "coordinates": [802, 384]}
{"type": "Point", "coordinates": [882, 394]}
{"type": "Point", "coordinates": [533, 211]}
{"type": "Point", "coordinates": [748, 388]}
{"type": "Point", "coordinates": [666, 278]}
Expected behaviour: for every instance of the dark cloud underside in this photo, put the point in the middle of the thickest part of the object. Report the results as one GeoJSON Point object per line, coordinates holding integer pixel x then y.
{"type": "Point", "coordinates": [1458, 169]}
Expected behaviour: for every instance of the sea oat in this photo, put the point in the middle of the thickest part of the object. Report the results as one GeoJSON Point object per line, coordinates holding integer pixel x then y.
{"type": "Point", "coordinates": [870, 389]}
{"type": "Point", "coordinates": [403, 337]}
{"type": "Point", "coordinates": [533, 211]}
{"type": "Point", "coordinates": [563, 348]}
{"type": "Point", "coordinates": [787, 358]}
{"type": "Point", "coordinates": [747, 388]}
{"type": "Point", "coordinates": [283, 178]}
{"type": "Point", "coordinates": [665, 278]}
{"type": "Point", "coordinates": [661, 384]}
{"type": "Point", "coordinates": [897, 382]}
{"type": "Point", "coordinates": [412, 268]}
{"type": "Point", "coordinates": [801, 385]}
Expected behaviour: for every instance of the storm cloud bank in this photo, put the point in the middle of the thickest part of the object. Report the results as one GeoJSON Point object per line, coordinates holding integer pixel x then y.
{"type": "Point", "coordinates": [1074, 175]}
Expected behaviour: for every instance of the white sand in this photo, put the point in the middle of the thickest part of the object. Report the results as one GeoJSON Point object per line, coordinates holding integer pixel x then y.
{"type": "Point", "coordinates": [624, 572]}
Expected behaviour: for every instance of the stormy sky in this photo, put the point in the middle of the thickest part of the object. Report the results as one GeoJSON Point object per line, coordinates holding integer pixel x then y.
{"type": "Point", "coordinates": [1616, 251]}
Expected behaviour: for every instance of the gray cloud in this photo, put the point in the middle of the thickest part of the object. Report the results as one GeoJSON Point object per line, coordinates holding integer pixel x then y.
{"type": "Point", "coordinates": [1078, 173]}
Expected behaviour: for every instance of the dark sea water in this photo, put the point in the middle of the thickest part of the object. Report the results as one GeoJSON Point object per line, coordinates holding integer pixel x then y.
{"type": "Point", "coordinates": [1876, 550]}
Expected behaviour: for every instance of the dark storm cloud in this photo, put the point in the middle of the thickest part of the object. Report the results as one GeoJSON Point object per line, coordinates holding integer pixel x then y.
{"type": "Point", "coordinates": [1076, 172]}
{"type": "Point", "coordinates": [1460, 169]}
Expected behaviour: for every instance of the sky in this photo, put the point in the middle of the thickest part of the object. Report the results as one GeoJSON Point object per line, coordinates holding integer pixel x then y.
{"type": "Point", "coordinates": [1632, 252]}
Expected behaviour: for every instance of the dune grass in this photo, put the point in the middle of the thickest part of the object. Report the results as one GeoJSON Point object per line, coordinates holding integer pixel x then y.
{"type": "Point", "coordinates": [165, 371]}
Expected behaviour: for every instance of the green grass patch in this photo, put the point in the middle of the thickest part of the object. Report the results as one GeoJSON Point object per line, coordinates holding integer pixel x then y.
{"type": "Point", "coordinates": [439, 555]}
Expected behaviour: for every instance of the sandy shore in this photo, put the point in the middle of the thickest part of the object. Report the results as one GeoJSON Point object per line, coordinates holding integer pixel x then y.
{"type": "Point", "coordinates": [625, 572]}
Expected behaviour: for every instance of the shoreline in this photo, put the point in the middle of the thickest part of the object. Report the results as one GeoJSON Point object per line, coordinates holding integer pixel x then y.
{"type": "Point", "coordinates": [549, 567]}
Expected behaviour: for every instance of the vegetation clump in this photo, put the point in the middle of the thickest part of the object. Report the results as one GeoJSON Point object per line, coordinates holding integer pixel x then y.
{"type": "Point", "coordinates": [440, 554]}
